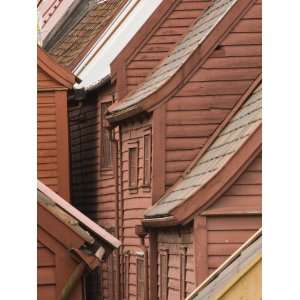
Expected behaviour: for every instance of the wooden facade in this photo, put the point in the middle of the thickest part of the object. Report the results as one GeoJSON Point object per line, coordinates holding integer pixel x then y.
{"type": "Point", "coordinates": [54, 84]}
{"type": "Point", "coordinates": [69, 246]}
{"type": "Point", "coordinates": [160, 127]}
{"type": "Point", "coordinates": [183, 118]}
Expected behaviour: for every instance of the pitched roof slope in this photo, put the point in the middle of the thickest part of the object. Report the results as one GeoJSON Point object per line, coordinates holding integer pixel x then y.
{"type": "Point", "coordinates": [55, 70]}
{"type": "Point", "coordinates": [71, 46]}
{"type": "Point", "coordinates": [231, 270]}
{"type": "Point", "coordinates": [239, 129]}
{"type": "Point", "coordinates": [170, 65]}
{"type": "Point", "coordinates": [72, 217]}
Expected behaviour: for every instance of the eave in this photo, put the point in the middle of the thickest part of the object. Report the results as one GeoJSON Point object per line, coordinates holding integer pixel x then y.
{"type": "Point", "coordinates": [186, 71]}
{"type": "Point", "coordinates": [55, 70]}
{"type": "Point", "coordinates": [215, 187]}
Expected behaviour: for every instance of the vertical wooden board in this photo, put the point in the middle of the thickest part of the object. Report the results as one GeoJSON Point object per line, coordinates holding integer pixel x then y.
{"type": "Point", "coordinates": [200, 249]}
{"type": "Point", "coordinates": [159, 144]}
{"type": "Point", "coordinates": [63, 144]}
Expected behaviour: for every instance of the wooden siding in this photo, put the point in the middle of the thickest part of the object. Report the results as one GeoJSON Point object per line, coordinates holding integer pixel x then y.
{"type": "Point", "coordinates": [195, 112]}
{"type": "Point", "coordinates": [134, 200]}
{"type": "Point", "coordinates": [54, 267]}
{"type": "Point", "coordinates": [172, 241]}
{"type": "Point", "coordinates": [226, 234]}
{"type": "Point", "coordinates": [46, 272]}
{"type": "Point", "coordinates": [93, 187]}
{"type": "Point", "coordinates": [227, 223]}
{"type": "Point", "coordinates": [52, 135]}
{"type": "Point", "coordinates": [246, 192]}
{"type": "Point", "coordinates": [158, 43]}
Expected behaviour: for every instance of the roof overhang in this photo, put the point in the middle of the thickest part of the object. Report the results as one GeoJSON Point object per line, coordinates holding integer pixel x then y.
{"type": "Point", "coordinates": [64, 76]}
{"type": "Point", "coordinates": [91, 226]}
{"type": "Point", "coordinates": [215, 187]}
{"type": "Point", "coordinates": [184, 73]}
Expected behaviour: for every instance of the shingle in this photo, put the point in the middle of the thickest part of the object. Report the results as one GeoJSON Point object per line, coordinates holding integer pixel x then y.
{"type": "Point", "coordinates": [229, 141]}
{"type": "Point", "coordinates": [168, 67]}
{"type": "Point", "coordinates": [90, 26]}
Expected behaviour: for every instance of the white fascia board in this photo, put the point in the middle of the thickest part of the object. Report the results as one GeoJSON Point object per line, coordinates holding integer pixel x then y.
{"type": "Point", "coordinates": [96, 63]}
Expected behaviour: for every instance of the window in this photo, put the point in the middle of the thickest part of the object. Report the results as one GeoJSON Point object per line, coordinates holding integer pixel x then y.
{"type": "Point", "coordinates": [182, 273]}
{"type": "Point", "coordinates": [140, 274]}
{"type": "Point", "coordinates": [163, 275]}
{"type": "Point", "coordinates": [147, 159]}
{"type": "Point", "coordinates": [106, 153]}
{"type": "Point", "coordinates": [133, 167]}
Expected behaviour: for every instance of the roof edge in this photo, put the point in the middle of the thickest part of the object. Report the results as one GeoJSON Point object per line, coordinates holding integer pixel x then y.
{"type": "Point", "coordinates": [193, 63]}
{"type": "Point", "coordinates": [213, 189]}
{"type": "Point", "coordinates": [84, 220]}
{"type": "Point", "coordinates": [55, 70]}
{"type": "Point", "coordinates": [227, 262]}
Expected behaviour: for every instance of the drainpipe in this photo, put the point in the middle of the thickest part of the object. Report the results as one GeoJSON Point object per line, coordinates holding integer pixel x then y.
{"type": "Point", "coordinates": [88, 262]}
{"type": "Point", "coordinates": [117, 225]}
{"type": "Point", "coordinates": [72, 281]}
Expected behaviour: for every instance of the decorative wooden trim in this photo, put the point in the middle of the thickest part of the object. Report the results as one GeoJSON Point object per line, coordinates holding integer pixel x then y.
{"type": "Point", "coordinates": [140, 259]}
{"type": "Point", "coordinates": [183, 261]}
{"type": "Point", "coordinates": [153, 256]}
{"type": "Point", "coordinates": [200, 249]}
{"type": "Point", "coordinates": [62, 132]}
{"type": "Point", "coordinates": [159, 153]}
{"type": "Point", "coordinates": [130, 148]}
{"type": "Point", "coordinates": [126, 275]}
{"type": "Point", "coordinates": [147, 183]}
{"type": "Point", "coordinates": [104, 130]}
{"type": "Point", "coordinates": [163, 254]}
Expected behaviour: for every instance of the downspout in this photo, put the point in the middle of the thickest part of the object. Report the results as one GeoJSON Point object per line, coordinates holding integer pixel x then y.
{"type": "Point", "coordinates": [72, 281]}
{"type": "Point", "coordinates": [88, 263]}
{"type": "Point", "coordinates": [117, 225]}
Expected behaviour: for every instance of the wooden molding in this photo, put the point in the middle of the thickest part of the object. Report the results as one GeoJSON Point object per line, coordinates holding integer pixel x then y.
{"type": "Point", "coordinates": [159, 153]}
{"type": "Point", "coordinates": [200, 249]}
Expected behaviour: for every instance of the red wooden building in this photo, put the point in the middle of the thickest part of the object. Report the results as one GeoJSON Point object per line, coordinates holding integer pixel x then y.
{"type": "Point", "coordinates": [167, 121]}
{"type": "Point", "coordinates": [178, 85]}
{"type": "Point", "coordinates": [69, 246]}
{"type": "Point", "coordinates": [54, 85]}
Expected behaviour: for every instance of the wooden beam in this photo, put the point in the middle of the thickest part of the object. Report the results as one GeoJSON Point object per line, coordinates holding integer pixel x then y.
{"type": "Point", "coordinates": [62, 145]}
{"type": "Point", "coordinates": [200, 249]}
{"type": "Point", "coordinates": [159, 153]}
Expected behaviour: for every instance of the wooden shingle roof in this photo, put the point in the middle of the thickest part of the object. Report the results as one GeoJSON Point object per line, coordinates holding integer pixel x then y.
{"type": "Point", "coordinates": [177, 58]}
{"type": "Point", "coordinates": [71, 47]}
{"type": "Point", "coordinates": [228, 143]}
{"type": "Point", "coordinates": [231, 271]}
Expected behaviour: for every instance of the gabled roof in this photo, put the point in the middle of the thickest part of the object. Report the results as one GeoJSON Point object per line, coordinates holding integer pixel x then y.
{"type": "Point", "coordinates": [187, 55]}
{"type": "Point", "coordinates": [73, 218]}
{"type": "Point", "coordinates": [70, 48]}
{"type": "Point", "coordinates": [225, 157]}
{"type": "Point", "coordinates": [232, 270]}
{"type": "Point", "coordinates": [55, 70]}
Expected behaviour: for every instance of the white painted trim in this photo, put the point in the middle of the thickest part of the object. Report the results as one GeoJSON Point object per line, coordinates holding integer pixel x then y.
{"type": "Point", "coordinates": [96, 63]}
